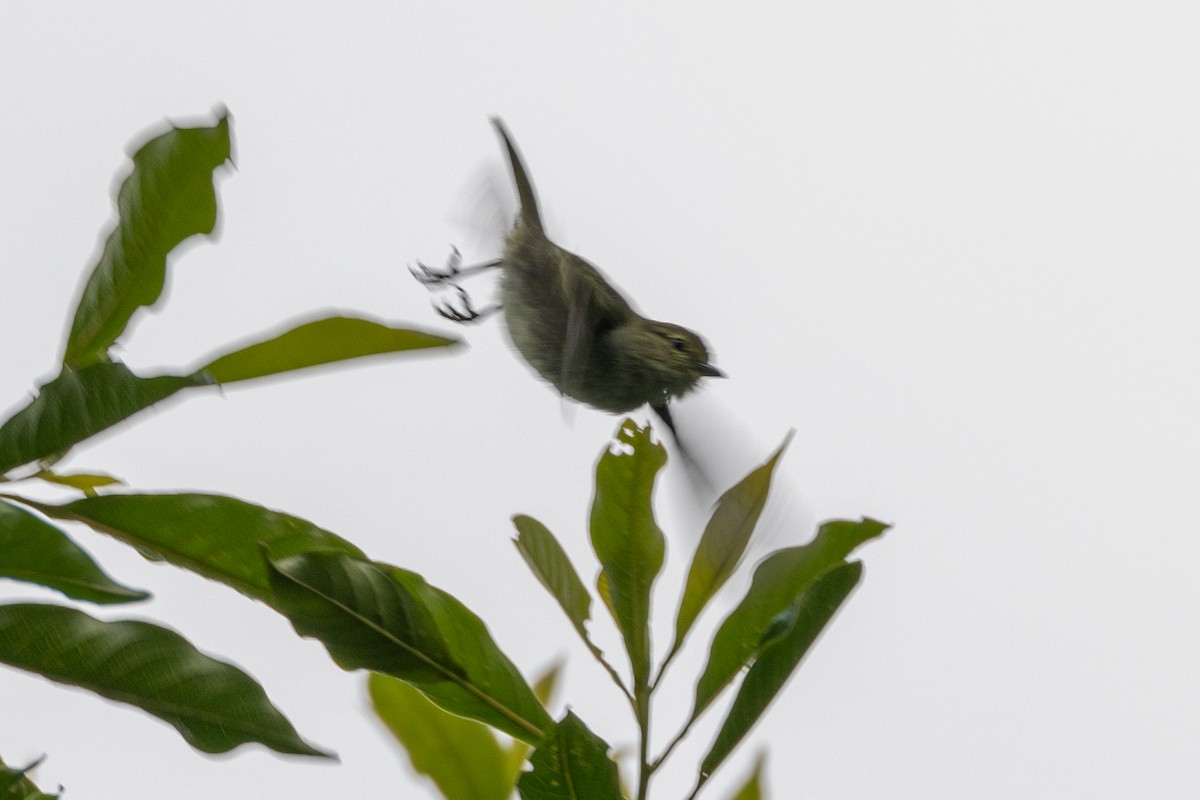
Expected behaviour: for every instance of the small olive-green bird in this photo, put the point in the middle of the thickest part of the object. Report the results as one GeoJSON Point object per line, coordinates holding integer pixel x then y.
{"type": "Point", "coordinates": [573, 327]}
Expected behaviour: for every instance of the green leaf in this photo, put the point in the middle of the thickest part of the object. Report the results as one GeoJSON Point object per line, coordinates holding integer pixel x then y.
{"type": "Point", "coordinates": [793, 634]}
{"type": "Point", "coordinates": [778, 580]}
{"type": "Point", "coordinates": [79, 404]}
{"type": "Point", "coordinates": [168, 198]}
{"type": "Point", "coordinates": [626, 538]}
{"type": "Point", "coordinates": [364, 618]}
{"type": "Point", "coordinates": [218, 537]}
{"type": "Point", "coordinates": [494, 691]}
{"type": "Point", "coordinates": [553, 569]}
{"type": "Point", "coordinates": [723, 543]}
{"type": "Point", "coordinates": [321, 341]}
{"type": "Point", "coordinates": [544, 688]}
{"type": "Point", "coordinates": [377, 617]}
{"type": "Point", "coordinates": [16, 785]}
{"type": "Point", "coordinates": [752, 788]}
{"type": "Point", "coordinates": [86, 482]}
{"type": "Point", "coordinates": [36, 552]}
{"type": "Point", "coordinates": [572, 763]}
{"type": "Point", "coordinates": [215, 706]}
{"type": "Point", "coordinates": [461, 756]}
{"type": "Point", "coordinates": [546, 685]}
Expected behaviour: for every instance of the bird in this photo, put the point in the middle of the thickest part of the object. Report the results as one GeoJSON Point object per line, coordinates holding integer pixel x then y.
{"type": "Point", "coordinates": [571, 324]}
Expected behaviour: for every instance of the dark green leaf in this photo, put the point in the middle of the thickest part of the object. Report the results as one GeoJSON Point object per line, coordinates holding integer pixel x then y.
{"type": "Point", "coordinates": [778, 580]}
{"type": "Point", "coordinates": [322, 341]}
{"type": "Point", "coordinates": [364, 618]}
{"type": "Point", "coordinates": [16, 785]}
{"type": "Point", "coordinates": [461, 756]}
{"type": "Point", "coordinates": [218, 537]}
{"type": "Point", "coordinates": [167, 198]}
{"type": "Point", "coordinates": [572, 763]}
{"type": "Point", "coordinates": [798, 628]}
{"type": "Point", "coordinates": [625, 536]}
{"type": "Point", "coordinates": [79, 404]}
{"type": "Point", "coordinates": [36, 552]}
{"type": "Point", "coordinates": [723, 543]}
{"type": "Point", "coordinates": [493, 689]}
{"type": "Point", "coordinates": [381, 618]}
{"type": "Point", "coordinates": [215, 706]}
{"type": "Point", "coordinates": [550, 565]}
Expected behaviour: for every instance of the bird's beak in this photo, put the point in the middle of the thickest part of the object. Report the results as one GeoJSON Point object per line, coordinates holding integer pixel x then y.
{"type": "Point", "coordinates": [709, 371]}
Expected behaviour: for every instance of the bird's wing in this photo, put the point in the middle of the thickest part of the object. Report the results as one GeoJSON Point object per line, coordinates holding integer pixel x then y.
{"type": "Point", "coordinates": [579, 333]}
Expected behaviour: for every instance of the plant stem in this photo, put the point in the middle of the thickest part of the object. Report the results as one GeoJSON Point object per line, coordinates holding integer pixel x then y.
{"type": "Point", "coordinates": [642, 710]}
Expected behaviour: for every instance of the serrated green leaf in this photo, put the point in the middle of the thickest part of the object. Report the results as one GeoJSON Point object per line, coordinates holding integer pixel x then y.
{"type": "Point", "coordinates": [79, 404]}
{"type": "Point", "coordinates": [461, 756]}
{"type": "Point", "coordinates": [168, 198]}
{"type": "Point", "coordinates": [321, 341]}
{"type": "Point", "coordinates": [723, 543]}
{"type": "Point", "coordinates": [553, 569]}
{"type": "Point", "coordinates": [572, 763]}
{"type": "Point", "coordinates": [36, 552]}
{"type": "Point", "coordinates": [214, 706]}
{"type": "Point", "coordinates": [219, 537]}
{"type": "Point", "coordinates": [777, 581]}
{"type": "Point", "coordinates": [626, 538]}
{"type": "Point", "coordinates": [799, 627]}
{"type": "Point", "coordinates": [16, 785]}
{"type": "Point", "coordinates": [378, 617]}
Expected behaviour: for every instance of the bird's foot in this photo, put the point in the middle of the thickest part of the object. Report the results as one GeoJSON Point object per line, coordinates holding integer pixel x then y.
{"type": "Point", "coordinates": [460, 308]}
{"type": "Point", "coordinates": [468, 313]}
{"type": "Point", "coordinates": [433, 278]}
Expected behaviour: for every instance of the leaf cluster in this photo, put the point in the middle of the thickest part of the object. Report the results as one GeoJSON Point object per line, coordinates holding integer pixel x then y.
{"type": "Point", "coordinates": [439, 681]}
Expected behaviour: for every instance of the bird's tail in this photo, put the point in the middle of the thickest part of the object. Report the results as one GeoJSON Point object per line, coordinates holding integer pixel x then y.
{"type": "Point", "coordinates": [529, 208]}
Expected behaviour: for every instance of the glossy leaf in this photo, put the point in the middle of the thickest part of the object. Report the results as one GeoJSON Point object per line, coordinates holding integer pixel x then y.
{"type": "Point", "coordinates": [493, 689]}
{"type": "Point", "coordinates": [221, 538]}
{"type": "Point", "coordinates": [381, 618]}
{"type": "Point", "coordinates": [364, 618]}
{"type": "Point", "coordinates": [34, 551]}
{"type": "Point", "coordinates": [321, 341]}
{"type": "Point", "coordinates": [168, 198]}
{"type": "Point", "coordinates": [79, 404]}
{"type": "Point", "coordinates": [777, 581]}
{"type": "Point", "coordinates": [214, 706]}
{"type": "Point", "coordinates": [553, 569]}
{"type": "Point", "coordinates": [461, 756]}
{"type": "Point", "coordinates": [792, 634]}
{"type": "Point", "coordinates": [723, 543]}
{"type": "Point", "coordinates": [626, 538]}
{"type": "Point", "coordinates": [15, 784]}
{"type": "Point", "coordinates": [572, 763]}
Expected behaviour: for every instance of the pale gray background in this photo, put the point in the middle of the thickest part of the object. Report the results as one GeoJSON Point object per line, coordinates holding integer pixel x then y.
{"type": "Point", "coordinates": [953, 245]}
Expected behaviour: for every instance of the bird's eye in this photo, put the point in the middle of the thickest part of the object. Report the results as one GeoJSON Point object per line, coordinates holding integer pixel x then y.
{"type": "Point", "coordinates": [678, 344]}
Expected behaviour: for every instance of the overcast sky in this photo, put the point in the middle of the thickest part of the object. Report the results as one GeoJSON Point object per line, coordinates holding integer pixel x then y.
{"type": "Point", "coordinates": [953, 245]}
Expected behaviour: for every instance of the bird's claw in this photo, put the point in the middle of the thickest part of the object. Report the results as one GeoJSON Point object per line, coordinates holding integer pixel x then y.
{"type": "Point", "coordinates": [436, 277]}
{"type": "Point", "coordinates": [468, 312]}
